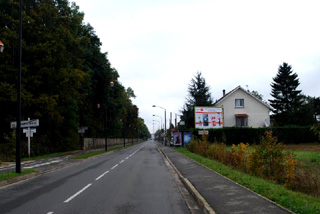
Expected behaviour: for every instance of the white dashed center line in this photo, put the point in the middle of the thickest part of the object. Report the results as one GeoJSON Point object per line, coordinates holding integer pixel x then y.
{"type": "Point", "coordinates": [114, 166]}
{"type": "Point", "coordinates": [78, 193]}
{"type": "Point", "coordinates": [86, 187]}
{"type": "Point", "coordinates": [102, 175]}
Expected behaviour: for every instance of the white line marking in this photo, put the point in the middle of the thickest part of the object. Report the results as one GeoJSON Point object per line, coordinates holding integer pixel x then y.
{"type": "Point", "coordinates": [122, 161]}
{"type": "Point", "coordinates": [78, 193]}
{"type": "Point", "coordinates": [41, 164]}
{"type": "Point", "coordinates": [50, 212]}
{"type": "Point", "coordinates": [127, 157]}
{"type": "Point", "coordinates": [102, 175]}
{"type": "Point", "coordinates": [114, 166]}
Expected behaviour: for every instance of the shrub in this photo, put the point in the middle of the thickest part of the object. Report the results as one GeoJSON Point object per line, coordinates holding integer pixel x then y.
{"type": "Point", "coordinates": [235, 135]}
{"type": "Point", "coordinates": [268, 157]}
{"type": "Point", "coordinates": [8, 149]}
{"type": "Point", "coordinates": [264, 160]}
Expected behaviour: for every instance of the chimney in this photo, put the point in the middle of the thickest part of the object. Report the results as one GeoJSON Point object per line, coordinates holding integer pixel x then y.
{"type": "Point", "coordinates": [224, 92]}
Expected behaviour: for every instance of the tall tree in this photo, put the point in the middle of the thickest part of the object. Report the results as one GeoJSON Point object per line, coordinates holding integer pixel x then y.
{"type": "Point", "coordinates": [287, 99]}
{"type": "Point", "coordinates": [199, 95]}
{"type": "Point", "coordinates": [65, 77]}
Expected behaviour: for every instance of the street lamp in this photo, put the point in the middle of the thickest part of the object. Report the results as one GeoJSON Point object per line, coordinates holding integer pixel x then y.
{"type": "Point", "coordinates": [160, 118]}
{"type": "Point", "coordinates": [175, 121]}
{"type": "Point", "coordinates": [165, 124]}
{"type": "Point", "coordinates": [106, 120]}
{"type": "Point", "coordinates": [18, 129]}
{"type": "Point", "coordinates": [157, 121]}
{"type": "Point", "coordinates": [1, 47]}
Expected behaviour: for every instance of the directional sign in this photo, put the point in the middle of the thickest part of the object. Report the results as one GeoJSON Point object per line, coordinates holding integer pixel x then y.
{"type": "Point", "coordinates": [31, 130]}
{"type": "Point", "coordinates": [25, 123]}
{"type": "Point", "coordinates": [82, 130]}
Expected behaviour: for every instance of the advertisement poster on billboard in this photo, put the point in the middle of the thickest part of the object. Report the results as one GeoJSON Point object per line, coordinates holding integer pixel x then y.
{"type": "Point", "coordinates": [208, 117]}
{"type": "Point", "coordinates": [177, 139]}
{"type": "Point", "coordinates": [187, 137]}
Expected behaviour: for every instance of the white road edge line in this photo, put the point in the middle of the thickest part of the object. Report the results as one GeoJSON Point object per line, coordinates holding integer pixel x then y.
{"type": "Point", "coordinates": [78, 193]}
{"type": "Point", "coordinates": [102, 175]}
{"type": "Point", "coordinates": [114, 166]}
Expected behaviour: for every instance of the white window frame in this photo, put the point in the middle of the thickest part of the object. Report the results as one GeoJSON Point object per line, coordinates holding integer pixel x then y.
{"type": "Point", "coordinates": [239, 103]}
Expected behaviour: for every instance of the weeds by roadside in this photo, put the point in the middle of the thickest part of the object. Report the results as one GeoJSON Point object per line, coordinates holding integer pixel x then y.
{"type": "Point", "coordinates": [10, 175]}
{"type": "Point", "coordinates": [294, 201]}
{"type": "Point", "coordinates": [266, 160]}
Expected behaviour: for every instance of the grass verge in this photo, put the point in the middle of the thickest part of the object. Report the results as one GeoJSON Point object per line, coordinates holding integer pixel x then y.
{"type": "Point", "coordinates": [87, 155]}
{"type": "Point", "coordinates": [49, 155]}
{"type": "Point", "coordinates": [294, 201]}
{"type": "Point", "coordinates": [10, 175]}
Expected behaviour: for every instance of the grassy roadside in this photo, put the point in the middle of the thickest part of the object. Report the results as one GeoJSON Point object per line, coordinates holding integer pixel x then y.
{"type": "Point", "coordinates": [50, 155]}
{"type": "Point", "coordinates": [294, 201]}
{"type": "Point", "coordinates": [10, 175]}
{"type": "Point", "coordinates": [87, 155]}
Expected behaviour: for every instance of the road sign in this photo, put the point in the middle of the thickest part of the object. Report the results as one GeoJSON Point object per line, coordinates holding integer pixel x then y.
{"type": "Point", "coordinates": [29, 133]}
{"type": "Point", "coordinates": [203, 132]}
{"type": "Point", "coordinates": [25, 123]}
{"type": "Point", "coordinates": [31, 130]}
{"type": "Point", "coordinates": [82, 130]}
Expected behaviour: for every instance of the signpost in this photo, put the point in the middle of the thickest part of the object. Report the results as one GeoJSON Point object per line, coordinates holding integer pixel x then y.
{"type": "Point", "coordinates": [29, 132]}
{"type": "Point", "coordinates": [81, 131]}
{"type": "Point", "coordinates": [25, 123]}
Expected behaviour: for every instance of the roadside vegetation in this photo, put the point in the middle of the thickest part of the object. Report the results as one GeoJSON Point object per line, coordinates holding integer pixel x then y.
{"type": "Point", "coordinates": [288, 177]}
{"type": "Point", "coordinates": [50, 155]}
{"type": "Point", "coordinates": [91, 154]}
{"type": "Point", "coordinates": [11, 175]}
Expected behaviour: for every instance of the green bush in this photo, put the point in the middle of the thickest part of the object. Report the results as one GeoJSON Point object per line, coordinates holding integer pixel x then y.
{"type": "Point", "coordinates": [236, 135]}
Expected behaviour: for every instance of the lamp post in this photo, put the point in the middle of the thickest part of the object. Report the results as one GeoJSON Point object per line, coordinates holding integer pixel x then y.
{"type": "Point", "coordinates": [165, 124]}
{"type": "Point", "coordinates": [18, 130]}
{"type": "Point", "coordinates": [106, 119]}
{"type": "Point", "coordinates": [175, 121]}
{"type": "Point", "coordinates": [160, 118]}
{"type": "Point", "coordinates": [157, 121]}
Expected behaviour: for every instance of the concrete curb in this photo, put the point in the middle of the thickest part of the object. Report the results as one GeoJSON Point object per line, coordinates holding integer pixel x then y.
{"type": "Point", "coordinates": [203, 204]}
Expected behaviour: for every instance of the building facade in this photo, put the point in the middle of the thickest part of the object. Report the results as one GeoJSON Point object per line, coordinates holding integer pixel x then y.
{"type": "Point", "coordinates": [242, 109]}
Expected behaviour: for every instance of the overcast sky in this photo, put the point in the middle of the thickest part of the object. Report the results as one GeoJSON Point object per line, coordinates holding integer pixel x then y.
{"type": "Point", "coordinates": [157, 46]}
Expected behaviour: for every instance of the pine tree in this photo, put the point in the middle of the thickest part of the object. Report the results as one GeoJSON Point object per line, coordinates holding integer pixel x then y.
{"type": "Point", "coordinates": [199, 95]}
{"type": "Point", "coordinates": [287, 99]}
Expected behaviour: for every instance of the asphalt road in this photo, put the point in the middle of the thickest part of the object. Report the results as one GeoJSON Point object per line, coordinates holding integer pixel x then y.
{"type": "Point", "coordinates": [131, 180]}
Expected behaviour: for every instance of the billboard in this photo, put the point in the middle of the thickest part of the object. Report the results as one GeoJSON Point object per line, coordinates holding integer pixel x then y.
{"type": "Point", "coordinates": [177, 139]}
{"type": "Point", "coordinates": [187, 137]}
{"type": "Point", "coordinates": [208, 117]}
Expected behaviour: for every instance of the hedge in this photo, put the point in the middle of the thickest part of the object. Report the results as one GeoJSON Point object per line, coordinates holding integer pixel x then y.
{"type": "Point", "coordinates": [236, 135]}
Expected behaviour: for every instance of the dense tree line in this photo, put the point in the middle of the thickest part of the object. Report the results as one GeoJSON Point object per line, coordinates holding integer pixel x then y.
{"type": "Point", "coordinates": [65, 77]}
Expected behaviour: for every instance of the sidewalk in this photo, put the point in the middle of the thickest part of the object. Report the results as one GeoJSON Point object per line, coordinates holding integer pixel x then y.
{"type": "Point", "coordinates": [222, 194]}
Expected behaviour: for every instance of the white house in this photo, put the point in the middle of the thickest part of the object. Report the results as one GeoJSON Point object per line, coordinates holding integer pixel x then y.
{"type": "Point", "coordinates": [242, 109]}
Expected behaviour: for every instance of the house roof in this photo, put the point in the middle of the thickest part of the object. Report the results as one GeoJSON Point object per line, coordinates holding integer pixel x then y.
{"type": "Point", "coordinates": [240, 88]}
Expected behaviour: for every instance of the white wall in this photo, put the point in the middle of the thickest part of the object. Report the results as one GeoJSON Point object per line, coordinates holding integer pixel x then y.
{"type": "Point", "coordinates": [256, 111]}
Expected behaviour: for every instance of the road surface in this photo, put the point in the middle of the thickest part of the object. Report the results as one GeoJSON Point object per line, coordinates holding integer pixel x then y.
{"type": "Point", "coordinates": [132, 180]}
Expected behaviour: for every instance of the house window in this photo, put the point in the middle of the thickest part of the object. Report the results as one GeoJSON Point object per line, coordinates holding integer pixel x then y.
{"type": "Point", "coordinates": [242, 120]}
{"type": "Point", "coordinates": [239, 103]}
